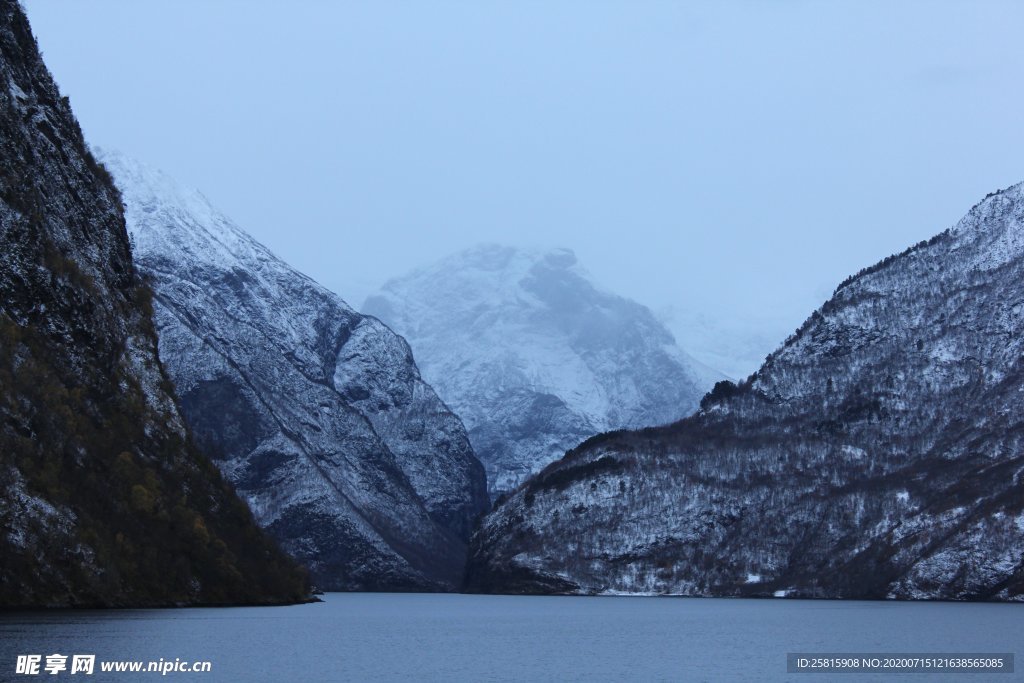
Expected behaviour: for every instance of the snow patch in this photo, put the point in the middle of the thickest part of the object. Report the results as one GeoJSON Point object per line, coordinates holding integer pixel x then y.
{"type": "Point", "coordinates": [853, 451]}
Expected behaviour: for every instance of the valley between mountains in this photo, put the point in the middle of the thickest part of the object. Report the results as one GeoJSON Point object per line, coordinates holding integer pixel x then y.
{"type": "Point", "coordinates": [185, 419]}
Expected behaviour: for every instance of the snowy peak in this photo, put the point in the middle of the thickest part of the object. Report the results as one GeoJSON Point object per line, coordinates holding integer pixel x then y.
{"type": "Point", "coordinates": [204, 235]}
{"type": "Point", "coordinates": [487, 275]}
{"type": "Point", "coordinates": [152, 195]}
{"type": "Point", "coordinates": [318, 414]}
{"type": "Point", "coordinates": [534, 356]}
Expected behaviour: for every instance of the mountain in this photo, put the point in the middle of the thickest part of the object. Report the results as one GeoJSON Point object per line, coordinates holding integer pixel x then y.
{"type": "Point", "coordinates": [106, 501]}
{"type": "Point", "coordinates": [315, 413]}
{"type": "Point", "coordinates": [879, 453]}
{"type": "Point", "coordinates": [534, 357]}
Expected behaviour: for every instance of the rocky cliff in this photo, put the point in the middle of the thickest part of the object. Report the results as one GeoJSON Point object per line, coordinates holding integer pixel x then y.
{"type": "Point", "coordinates": [105, 500]}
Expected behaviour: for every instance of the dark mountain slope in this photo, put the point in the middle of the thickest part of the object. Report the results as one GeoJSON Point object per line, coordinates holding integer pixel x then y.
{"type": "Point", "coordinates": [105, 500]}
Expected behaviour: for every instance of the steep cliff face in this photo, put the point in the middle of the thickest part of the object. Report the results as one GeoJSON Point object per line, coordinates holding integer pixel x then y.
{"type": "Point", "coordinates": [105, 499]}
{"type": "Point", "coordinates": [315, 413]}
{"type": "Point", "coordinates": [534, 357]}
{"type": "Point", "coordinates": [878, 453]}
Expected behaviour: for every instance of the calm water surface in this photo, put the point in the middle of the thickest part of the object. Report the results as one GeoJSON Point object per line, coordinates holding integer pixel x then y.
{"type": "Point", "coordinates": [369, 637]}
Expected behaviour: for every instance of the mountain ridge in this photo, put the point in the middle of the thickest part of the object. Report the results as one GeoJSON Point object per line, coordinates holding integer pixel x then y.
{"type": "Point", "coordinates": [875, 454]}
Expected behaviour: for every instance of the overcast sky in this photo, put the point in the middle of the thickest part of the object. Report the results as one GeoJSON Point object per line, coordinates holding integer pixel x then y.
{"type": "Point", "coordinates": [736, 160]}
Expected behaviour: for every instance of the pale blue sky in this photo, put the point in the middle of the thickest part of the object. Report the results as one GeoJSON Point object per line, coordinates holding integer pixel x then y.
{"type": "Point", "coordinates": [738, 159]}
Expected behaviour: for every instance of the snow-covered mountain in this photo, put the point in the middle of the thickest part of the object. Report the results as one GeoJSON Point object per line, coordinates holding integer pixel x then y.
{"type": "Point", "coordinates": [315, 413]}
{"type": "Point", "coordinates": [878, 453]}
{"type": "Point", "coordinates": [104, 499]}
{"type": "Point", "coordinates": [534, 357]}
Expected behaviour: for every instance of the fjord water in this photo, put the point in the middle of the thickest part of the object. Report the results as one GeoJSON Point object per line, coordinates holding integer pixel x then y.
{"type": "Point", "coordinates": [367, 637]}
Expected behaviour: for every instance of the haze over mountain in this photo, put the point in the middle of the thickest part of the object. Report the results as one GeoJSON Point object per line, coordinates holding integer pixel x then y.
{"type": "Point", "coordinates": [735, 346]}
{"type": "Point", "coordinates": [534, 357]}
{"type": "Point", "coordinates": [315, 413]}
{"type": "Point", "coordinates": [104, 498]}
{"type": "Point", "coordinates": [879, 453]}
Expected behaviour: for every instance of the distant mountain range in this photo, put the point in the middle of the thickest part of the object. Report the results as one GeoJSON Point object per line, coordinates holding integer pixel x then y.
{"type": "Point", "coordinates": [315, 413]}
{"type": "Point", "coordinates": [534, 357]}
{"type": "Point", "coordinates": [879, 453]}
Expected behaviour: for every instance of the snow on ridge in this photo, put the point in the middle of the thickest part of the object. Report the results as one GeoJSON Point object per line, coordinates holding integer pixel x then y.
{"type": "Point", "coordinates": [191, 223]}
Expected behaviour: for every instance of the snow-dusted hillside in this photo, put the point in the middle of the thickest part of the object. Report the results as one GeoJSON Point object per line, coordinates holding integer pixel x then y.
{"type": "Point", "coordinates": [878, 453]}
{"type": "Point", "coordinates": [533, 357]}
{"type": "Point", "coordinates": [315, 413]}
